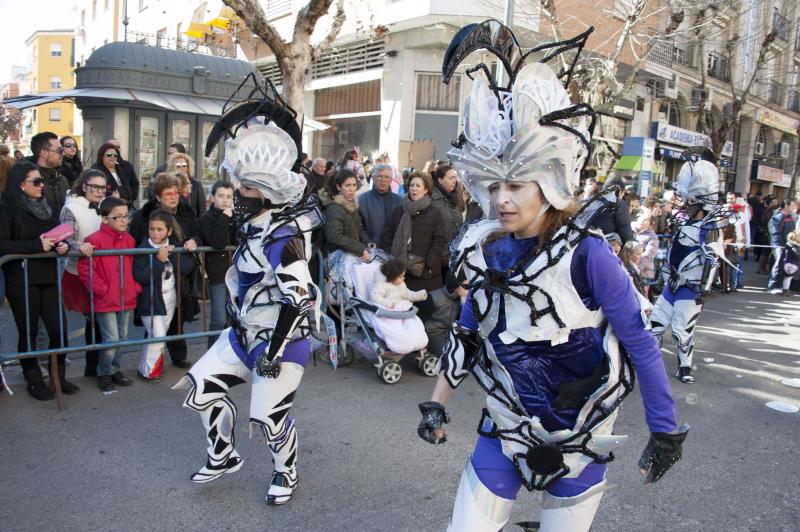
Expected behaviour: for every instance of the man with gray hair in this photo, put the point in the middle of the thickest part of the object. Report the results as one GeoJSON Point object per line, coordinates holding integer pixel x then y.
{"type": "Point", "coordinates": [317, 179]}
{"type": "Point", "coordinates": [379, 203]}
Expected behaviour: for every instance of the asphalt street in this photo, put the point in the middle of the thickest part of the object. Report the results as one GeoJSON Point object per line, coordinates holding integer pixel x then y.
{"type": "Point", "coordinates": [123, 461]}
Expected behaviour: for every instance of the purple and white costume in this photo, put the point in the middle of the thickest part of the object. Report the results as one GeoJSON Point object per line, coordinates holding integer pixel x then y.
{"type": "Point", "coordinates": [551, 332]}
{"type": "Point", "coordinates": [270, 291]}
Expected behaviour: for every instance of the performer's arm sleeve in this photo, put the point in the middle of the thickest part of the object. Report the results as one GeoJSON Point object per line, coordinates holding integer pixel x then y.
{"type": "Point", "coordinates": [294, 279]}
{"type": "Point", "coordinates": [613, 292]}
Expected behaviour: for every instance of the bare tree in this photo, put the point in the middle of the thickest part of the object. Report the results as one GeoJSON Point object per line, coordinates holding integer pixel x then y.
{"type": "Point", "coordinates": [719, 129]}
{"type": "Point", "coordinates": [294, 57]}
{"type": "Point", "coordinates": [10, 119]}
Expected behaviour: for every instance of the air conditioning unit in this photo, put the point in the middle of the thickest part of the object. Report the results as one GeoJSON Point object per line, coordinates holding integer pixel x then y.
{"type": "Point", "coordinates": [759, 148]}
{"type": "Point", "coordinates": [784, 150]}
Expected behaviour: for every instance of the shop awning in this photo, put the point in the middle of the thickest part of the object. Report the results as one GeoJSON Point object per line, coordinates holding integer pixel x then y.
{"type": "Point", "coordinates": [629, 163]}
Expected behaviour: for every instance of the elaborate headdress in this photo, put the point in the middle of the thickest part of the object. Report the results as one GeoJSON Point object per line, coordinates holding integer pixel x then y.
{"type": "Point", "coordinates": [698, 179]}
{"type": "Point", "coordinates": [264, 145]}
{"type": "Point", "coordinates": [528, 130]}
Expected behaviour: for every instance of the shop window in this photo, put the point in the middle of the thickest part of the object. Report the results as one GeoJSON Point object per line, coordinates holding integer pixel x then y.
{"type": "Point", "coordinates": [353, 112]}
{"type": "Point", "coordinates": [55, 115]}
{"type": "Point", "coordinates": [55, 50]}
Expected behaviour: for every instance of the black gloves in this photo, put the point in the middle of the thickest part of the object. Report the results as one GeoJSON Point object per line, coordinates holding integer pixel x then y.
{"type": "Point", "coordinates": [268, 368]}
{"type": "Point", "coordinates": [433, 417]}
{"type": "Point", "coordinates": [661, 452]}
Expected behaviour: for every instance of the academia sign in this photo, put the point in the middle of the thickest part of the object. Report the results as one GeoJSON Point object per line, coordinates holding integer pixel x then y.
{"type": "Point", "coordinates": [681, 137]}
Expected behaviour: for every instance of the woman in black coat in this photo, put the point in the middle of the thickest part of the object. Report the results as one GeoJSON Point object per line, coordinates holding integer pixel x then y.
{"type": "Point", "coordinates": [24, 217]}
{"type": "Point", "coordinates": [415, 234]}
{"type": "Point", "coordinates": [344, 228]}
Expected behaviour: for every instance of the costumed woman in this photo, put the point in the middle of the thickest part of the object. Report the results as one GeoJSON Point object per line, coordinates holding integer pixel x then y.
{"type": "Point", "coordinates": [270, 290]}
{"type": "Point", "coordinates": [692, 258]}
{"type": "Point", "coordinates": [550, 313]}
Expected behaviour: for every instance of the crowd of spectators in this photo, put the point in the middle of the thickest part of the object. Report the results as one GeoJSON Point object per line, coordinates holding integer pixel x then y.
{"type": "Point", "coordinates": [412, 216]}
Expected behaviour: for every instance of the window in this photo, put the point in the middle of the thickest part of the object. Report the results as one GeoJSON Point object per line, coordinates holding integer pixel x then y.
{"type": "Point", "coordinates": [55, 115]}
{"type": "Point", "coordinates": [55, 82]}
{"type": "Point", "coordinates": [436, 116]}
{"type": "Point", "coordinates": [55, 50]}
{"type": "Point", "coordinates": [94, 9]}
{"type": "Point", "coordinates": [433, 95]}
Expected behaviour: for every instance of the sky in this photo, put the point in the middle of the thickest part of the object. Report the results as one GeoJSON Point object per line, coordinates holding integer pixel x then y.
{"type": "Point", "coordinates": [20, 23]}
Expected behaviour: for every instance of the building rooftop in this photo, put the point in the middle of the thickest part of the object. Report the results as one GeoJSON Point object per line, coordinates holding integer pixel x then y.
{"type": "Point", "coordinates": [37, 32]}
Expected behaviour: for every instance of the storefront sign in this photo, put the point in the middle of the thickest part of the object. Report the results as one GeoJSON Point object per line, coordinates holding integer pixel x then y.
{"type": "Point", "coordinates": [669, 153]}
{"type": "Point", "coordinates": [785, 181]}
{"type": "Point", "coordinates": [771, 118]}
{"type": "Point", "coordinates": [767, 173]}
{"type": "Point", "coordinates": [622, 109]}
{"type": "Point", "coordinates": [681, 137]}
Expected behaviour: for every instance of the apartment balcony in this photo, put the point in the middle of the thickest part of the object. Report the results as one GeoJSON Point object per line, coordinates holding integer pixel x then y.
{"type": "Point", "coordinates": [661, 54]}
{"type": "Point", "coordinates": [683, 53]}
{"type": "Point", "coordinates": [781, 26]}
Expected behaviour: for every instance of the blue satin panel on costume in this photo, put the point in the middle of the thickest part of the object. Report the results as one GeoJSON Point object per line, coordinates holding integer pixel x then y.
{"type": "Point", "coordinates": [538, 368]}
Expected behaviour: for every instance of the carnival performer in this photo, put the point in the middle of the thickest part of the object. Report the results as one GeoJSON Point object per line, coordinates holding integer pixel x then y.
{"type": "Point", "coordinates": [270, 289]}
{"type": "Point", "coordinates": [692, 258]}
{"type": "Point", "coordinates": [551, 316]}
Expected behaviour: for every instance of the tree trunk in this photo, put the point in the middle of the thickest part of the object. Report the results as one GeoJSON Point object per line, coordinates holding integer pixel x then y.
{"type": "Point", "coordinates": [295, 70]}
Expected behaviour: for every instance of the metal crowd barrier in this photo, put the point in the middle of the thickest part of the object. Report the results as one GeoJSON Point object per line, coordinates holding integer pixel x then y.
{"type": "Point", "coordinates": [52, 353]}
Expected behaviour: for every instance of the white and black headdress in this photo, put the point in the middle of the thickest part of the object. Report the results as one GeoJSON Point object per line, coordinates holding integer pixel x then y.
{"type": "Point", "coordinates": [263, 151]}
{"type": "Point", "coordinates": [528, 130]}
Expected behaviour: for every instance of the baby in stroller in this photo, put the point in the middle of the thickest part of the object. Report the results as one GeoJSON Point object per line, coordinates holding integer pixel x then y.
{"type": "Point", "coordinates": [404, 335]}
{"type": "Point", "coordinates": [383, 330]}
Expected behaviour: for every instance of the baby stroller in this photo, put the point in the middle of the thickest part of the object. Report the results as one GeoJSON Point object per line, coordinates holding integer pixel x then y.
{"type": "Point", "coordinates": [347, 292]}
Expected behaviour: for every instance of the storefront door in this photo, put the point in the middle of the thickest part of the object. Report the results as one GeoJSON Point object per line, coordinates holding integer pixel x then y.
{"type": "Point", "coordinates": [148, 137]}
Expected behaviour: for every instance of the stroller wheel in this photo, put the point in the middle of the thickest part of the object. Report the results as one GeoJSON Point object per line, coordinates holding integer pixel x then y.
{"type": "Point", "coordinates": [428, 365]}
{"type": "Point", "coordinates": [390, 372]}
{"type": "Point", "coordinates": [346, 354]}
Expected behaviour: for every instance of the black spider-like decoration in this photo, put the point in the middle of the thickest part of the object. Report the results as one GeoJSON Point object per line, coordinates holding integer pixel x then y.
{"type": "Point", "coordinates": [262, 100]}
{"type": "Point", "coordinates": [492, 281]}
{"type": "Point", "coordinates": [498, 39]}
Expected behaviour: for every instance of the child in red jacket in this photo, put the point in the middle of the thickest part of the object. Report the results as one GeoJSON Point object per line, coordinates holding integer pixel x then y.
{"type": "Point", "coordinates": [114, 295]}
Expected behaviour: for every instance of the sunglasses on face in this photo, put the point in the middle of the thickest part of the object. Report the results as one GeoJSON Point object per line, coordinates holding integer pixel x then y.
{"type": "Point", "coordinates": [36, 181]}
{"type": "Point", "coordinates": [68, 145]}
{"type": "Point", "coordinates": [111, 154]}
{"type": "Point", "coordinates": [121, 218]}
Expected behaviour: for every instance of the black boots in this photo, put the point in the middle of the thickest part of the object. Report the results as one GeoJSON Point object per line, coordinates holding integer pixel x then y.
{"type": "Point", "coordinates": [36, 386]}
{"type": "Point", "coordinates": [66, 387]}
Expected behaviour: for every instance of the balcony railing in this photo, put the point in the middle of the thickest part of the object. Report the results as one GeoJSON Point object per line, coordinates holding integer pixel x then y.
{"type": "Point", "coordinates": [185, 44]}
{"type": "Point", "coordinates": [683, 54]}
{"type": "Point", "coordinates": [661, 53]}
{"type": "Point", "coordinates": [781, 26]}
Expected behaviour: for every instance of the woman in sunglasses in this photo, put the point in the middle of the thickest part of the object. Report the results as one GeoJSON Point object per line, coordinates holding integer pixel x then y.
{"type": "Point", "coordinates": [108, 158]}
{"type": "Point", "coordinates": [81, 213]}
{"type": "Point", "coordinates": [72, 166]}
{"type": "Point", "coordinates": [25, 217]}
{"type": "Point", "coordinates": [183, 164]}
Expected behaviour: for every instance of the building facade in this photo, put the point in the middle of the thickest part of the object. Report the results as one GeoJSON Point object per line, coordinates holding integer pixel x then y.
{"type": "Point", "coordinates": [52, 60]}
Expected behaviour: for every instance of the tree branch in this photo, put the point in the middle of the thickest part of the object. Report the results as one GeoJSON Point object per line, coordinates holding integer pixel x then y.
{"type": "Point", "coordinates": [253, 16]}
{"type": "Point", "coordinates": [307, 19]}
{"type": "Point", "coordinates": [336, 27]}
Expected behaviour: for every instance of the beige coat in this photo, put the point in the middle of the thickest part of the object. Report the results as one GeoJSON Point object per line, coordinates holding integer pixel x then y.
{"type": "Point", "coordinates": [389, 294]}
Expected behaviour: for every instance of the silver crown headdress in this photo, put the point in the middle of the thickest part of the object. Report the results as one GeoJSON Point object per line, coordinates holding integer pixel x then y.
{"type": "Point", "coordinates": [526, 131]}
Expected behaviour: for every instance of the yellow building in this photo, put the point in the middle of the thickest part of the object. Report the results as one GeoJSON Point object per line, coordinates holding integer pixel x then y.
{"type": "Point", "coordinates": [52, 54]}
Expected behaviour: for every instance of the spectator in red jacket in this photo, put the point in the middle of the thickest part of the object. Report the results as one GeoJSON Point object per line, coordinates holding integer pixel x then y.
{"type": "Point", "coordinates": [113, 303]}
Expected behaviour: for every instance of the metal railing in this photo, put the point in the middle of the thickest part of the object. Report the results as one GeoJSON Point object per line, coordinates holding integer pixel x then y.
{"type": "Point", "coordinates": [661, 53]}
{"type": "Point", "coordinates": [63, 348]}
{"type": "Point", "coordinates": [184, 44]}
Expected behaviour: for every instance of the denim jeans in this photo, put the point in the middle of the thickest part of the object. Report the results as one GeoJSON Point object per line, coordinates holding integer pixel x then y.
{"type": "Point", "coordinates": [219, 294]}
{"type": "Point", "coordinates": [113, 328]}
